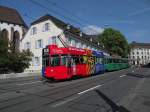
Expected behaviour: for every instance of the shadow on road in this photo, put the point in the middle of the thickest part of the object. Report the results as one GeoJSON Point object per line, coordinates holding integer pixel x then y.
{"type": "Point", "coordinates": [113, 105]}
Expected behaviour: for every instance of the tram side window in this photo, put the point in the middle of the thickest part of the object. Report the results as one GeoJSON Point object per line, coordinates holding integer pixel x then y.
{"type": "Point", "coordinates": [64, 60]}
{"type": "Point", "coordinates": [55, 61]}
{"type": "Point", "coordinates": [115, 60]}
{"type": "Point", "coordinates": [109, 60]}
{"type": "Point", "coordinates": [105, 60]}
{"type": "Point", "coordinates": [82, 60]}
{"type": "Point", "coordinates": [100, 60]}
{"type": "Point", "coordinates": [121, 61]}
{"type": "Point", "coordinates": [76, 60]}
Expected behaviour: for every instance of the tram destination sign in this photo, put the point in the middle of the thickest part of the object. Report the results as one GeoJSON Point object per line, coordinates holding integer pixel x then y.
{"type": "Point", "coordinates": [45, 51]}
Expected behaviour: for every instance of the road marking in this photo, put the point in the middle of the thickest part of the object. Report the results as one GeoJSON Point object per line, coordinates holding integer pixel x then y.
{"type": "Point", "coordinates": [28, 83]}
{"type": "Point", "coordinates": [122, 75]}
{"type": "Point", "coordinates": [65, 101]}
{"type": "Point", "coordinates": [89, 89]}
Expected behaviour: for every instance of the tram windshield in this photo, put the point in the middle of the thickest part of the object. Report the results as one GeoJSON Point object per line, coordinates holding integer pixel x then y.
{"type": "Point", "coordinates": [45, 61]}
{"type": "Point", "coordinates": [55, 60]}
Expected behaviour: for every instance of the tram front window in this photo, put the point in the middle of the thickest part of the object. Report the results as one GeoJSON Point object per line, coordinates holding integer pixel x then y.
{"type": "Point", "coordinates": [45, 61]}
{"type": "Point", "coordinates": [54, 61]}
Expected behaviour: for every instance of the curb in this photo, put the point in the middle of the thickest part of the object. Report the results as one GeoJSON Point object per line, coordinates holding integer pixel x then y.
{"type": "Point", "coordinates": [17, 75]}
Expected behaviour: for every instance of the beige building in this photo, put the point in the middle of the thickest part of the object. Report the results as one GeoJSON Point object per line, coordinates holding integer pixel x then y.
{"type": "Point", "coordinates": [140, 53]}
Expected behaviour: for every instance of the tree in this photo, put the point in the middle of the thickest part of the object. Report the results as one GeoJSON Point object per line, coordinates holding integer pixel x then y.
{"type": "Point", "coordinates": [4, 60]}
{"type": "Point", "coordinates": [114, 42]}
{"type": "Point", "coordinates": [11, 61]}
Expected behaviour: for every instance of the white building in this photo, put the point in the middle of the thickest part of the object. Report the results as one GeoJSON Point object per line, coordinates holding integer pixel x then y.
{"type": "Point", "coordinates": [12, 26]}
{"type": "Point", "coordinates": [140, 53]}
{"type": "Point", "coordinates": [45, 30]}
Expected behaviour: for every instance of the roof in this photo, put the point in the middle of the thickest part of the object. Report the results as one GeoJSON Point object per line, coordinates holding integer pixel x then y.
{"type": "Point", "coordinates": [140, 45]}
{"type": "Point", "coordinates": [11, 15]}
{"type": "Point", "coordinates": [73, 30]}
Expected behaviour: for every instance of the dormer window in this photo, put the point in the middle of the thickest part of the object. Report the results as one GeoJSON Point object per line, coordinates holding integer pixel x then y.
{"type": "Point", "coordinates": [80, 34]}
{"type": "Point", "coordinates": [68, 27]}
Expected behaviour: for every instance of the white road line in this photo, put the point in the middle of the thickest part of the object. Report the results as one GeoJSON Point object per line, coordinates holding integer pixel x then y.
{"type": "Point", "coordinates": [73, 98]}
{"type": "Point", "coordinates": [28, 83]}
{"type": "Point", "coordinates": [65, 101]}
{"type": "Point", "coordinates": [89, 89]}
{"type": "Point", "coordinates": [122, 75]}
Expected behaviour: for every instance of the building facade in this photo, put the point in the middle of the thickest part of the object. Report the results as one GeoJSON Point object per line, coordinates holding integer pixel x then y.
{"type": "Point", "coordinates": [140, 53]}
{"type": "Point", "coordinates": [44, 31]}
{"type": "Point", "coordinates": [12, 26]}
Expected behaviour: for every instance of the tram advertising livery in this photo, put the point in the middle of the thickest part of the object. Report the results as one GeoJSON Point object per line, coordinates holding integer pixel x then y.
{"type": "Point", "coordinates": [66, 62]}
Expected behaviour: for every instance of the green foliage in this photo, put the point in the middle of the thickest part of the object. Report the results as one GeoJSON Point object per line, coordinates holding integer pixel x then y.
{"type": "Point", "coordinates": [114, 42]}
{"type": "Point", "coordinates": [11, 61]}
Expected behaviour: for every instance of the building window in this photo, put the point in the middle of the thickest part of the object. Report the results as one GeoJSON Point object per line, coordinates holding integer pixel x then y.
{"type": "Point", "coordinates": [36, 61]}
{"type": "Point", "coordinates": [27, 45]}
{"type": "Point", "coordinates": [54, 40]}
{"type": "Point", "coordinates": [133, 57]}
{"type": "Point", "coordinates": [84, 46]}
{"type": "Point", "coordinates": [33, 31]}
{"type": "Point", "coordinates": [73, 43]}
{"type": "Point", "coordinates": [137, 53]}
{"type": "Point", "coordinates": [69, 41]}
{"type": "Point", "coordinates": [39, 43]}
{"type": "Point", "coordinates": [49, 41]}
{"type": "Point", "coordinates": [88, 47]}
{"type": "Point", "coordinates": [79, 45]}
{"type": "Point", "coordinates": [46, 27]}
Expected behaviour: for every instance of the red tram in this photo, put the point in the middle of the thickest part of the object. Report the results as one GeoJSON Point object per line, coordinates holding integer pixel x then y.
{"type": "Point", "coordinates": [64, 63]}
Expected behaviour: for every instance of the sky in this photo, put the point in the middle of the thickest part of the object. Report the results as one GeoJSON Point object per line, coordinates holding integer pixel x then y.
{"type": "Point", "coordinates": [131, 17]}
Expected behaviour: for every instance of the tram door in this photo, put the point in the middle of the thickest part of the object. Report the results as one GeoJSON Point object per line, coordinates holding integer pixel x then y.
{"type": "Point", "coordinates": [71, 66]}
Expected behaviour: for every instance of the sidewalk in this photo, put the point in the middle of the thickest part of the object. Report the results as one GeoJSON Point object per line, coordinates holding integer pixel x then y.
{"type": "Point", "coordinates": [17, 75]}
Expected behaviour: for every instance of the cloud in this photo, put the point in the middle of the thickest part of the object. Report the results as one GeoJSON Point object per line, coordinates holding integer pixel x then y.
{"type": "Point", "coordinates": [139, 11]}
{"type": "Point", "coordinates": [92, 30]}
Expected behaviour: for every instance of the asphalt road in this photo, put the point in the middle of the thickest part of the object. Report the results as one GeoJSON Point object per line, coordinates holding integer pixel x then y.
{"type": "Point", "coordinates": [125, 91]}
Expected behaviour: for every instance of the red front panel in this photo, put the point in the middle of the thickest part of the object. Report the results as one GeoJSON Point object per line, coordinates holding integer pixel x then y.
{"type": "Point", "coordinates": [57, 72]}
